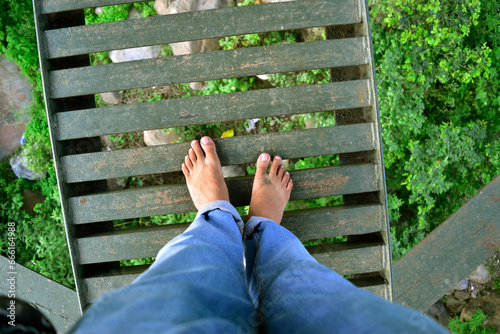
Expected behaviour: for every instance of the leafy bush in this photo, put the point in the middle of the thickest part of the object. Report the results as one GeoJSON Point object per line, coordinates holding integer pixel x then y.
{"type": "Point", "coordinates": [473, 326]}
{"type": "Point", "coordinates": [438, 77]}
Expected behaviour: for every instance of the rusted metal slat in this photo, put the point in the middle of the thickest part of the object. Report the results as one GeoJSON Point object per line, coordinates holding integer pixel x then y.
{"type": "Point", "coordinates": [350, 258]}
{"type": "Point", "coordinates": [231, 151]}
{"type": "Point", "coordinates": [213, 108]}
{"type": "Point", "coordinates": [57, 302]}
{"type": "Point", "coordinates": [200, 25]}
{"type": "Point", "coordinates": [162, 200]}
{"type": "Point", "coordinates": [54, 6]}
{"type": "Point", "coordinates": [208, 66]}
{"type": "Point", "coordinates": [305, 224]}
{"type": "Point", "coordinates": [451, 252]}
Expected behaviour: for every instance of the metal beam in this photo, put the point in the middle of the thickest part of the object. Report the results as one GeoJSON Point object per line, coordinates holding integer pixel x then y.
{"type": "Point", "coordinates": [451, 252]}
{"type": "Point", "coordinates": [57, 302]}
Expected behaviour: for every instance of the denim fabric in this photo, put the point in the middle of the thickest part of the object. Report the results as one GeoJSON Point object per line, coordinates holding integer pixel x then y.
{"type": "Point", "coordinates": [206, 281]}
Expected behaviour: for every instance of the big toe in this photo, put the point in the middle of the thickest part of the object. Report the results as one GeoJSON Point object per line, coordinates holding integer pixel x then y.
{"type": "Point", "coordinates": [262, 164]}
{"type": "Point", "coordinates": [208, 146]}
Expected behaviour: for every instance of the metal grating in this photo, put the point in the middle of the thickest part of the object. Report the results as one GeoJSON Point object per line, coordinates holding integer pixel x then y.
{"type": "Point", "coordinates": [89, 208]}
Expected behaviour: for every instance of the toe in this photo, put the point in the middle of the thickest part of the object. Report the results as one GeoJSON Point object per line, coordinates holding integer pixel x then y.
{"type": "Point", "coordinates": [185, 170]}
{"type": "Point", "coordinates": [208, 147]}
{"type": "Point", "coordinates": [192, 156]}
{"type": "Point", "coordinates": [197, 150]}
{"type": "Point", "coordinates": [188, 162]}
{"type": "Point", "coordinates": [281, 172]}
{"type": "Point", "coordinates": [285, 179]}
{"type": "Point", "coordinates": [289, 185]}
{"type": "Point", "coordinates": [275, 166]}
{"type": "Point", "coordinates": [262, 164]}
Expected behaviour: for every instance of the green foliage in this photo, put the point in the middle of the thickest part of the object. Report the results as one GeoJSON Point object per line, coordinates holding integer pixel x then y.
{"type": "Point", "coordinates": [496, 283]}
{"type": "Point", "coordinates": [17, 35]}
{"type": "Point", "coordinates": [438, 77]}
{"type": "Point", "coordinates": [473, 326]}
{"type": "Point", "coordinates": [40, 239]}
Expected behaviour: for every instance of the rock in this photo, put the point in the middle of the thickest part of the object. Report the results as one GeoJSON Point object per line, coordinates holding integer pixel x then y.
{"type": "Point", "coordinates": [312, 34]}
{"type": "Point", "coordinates": [157, 137]}
{"type": "Point", "coordinates": [480, 275]}
{"type": "Point", "coordinates": [310, 123]}
{"type": "Point", "coordinates": [112, 97]}
{"type": "Point", "coordinates": [15, 102]}
{"type": "Point", "coordinates": [461, 294]}
{"type": "Point", "coordinates": [98, 10]}
{"type": "Point", "coordinates": [454, 305]}
{"type": "Point", "coordinates": [233, 171]}
{"type": "Point", "coordinates": [133, 14]}
{"type": "Point", "coordinates": [30, 199]}
{"type": "Point", "coordinates": [263, 76]}
{"type": "Point", "coordinates": [10, 134]}
{"type": "Point", "coordinates": [197, 85]}
{"type": "Point", "coordinates": [462, 285]}
{"type": "Point", "coordinates": [440, 313]}
{"type": "Point", "coordinates": [144, 52]}
{"type": "Point", "coordinates": [15, 90]}
{"type": "Point", "coordinates": [116, 184]}
{"type": "Point", "coordinates": [490, 305]}
{"type": "Point", "coordinates": [19, 164]}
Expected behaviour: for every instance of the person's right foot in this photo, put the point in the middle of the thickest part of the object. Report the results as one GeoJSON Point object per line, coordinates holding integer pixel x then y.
{"type": "Point", "coordinates": [271, 191]}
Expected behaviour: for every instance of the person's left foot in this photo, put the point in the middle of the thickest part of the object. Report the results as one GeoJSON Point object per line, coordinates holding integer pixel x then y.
{"type": "Point", "coordinates": [203, 173]}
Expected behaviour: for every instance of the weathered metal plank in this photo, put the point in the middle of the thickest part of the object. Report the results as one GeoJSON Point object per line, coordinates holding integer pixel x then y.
{"type": "Point", "coordinates": [305, 224]}
{"type": "Point", "coordinates": [207, 66]}
{"type": "Point", "coordinates": [200, 25]}
{"type": "Point", "coordinates": [162, 200]}
{"type": "Point", "coordinates": [231, 151]}
{"type": "Point", "coordinates": [93, 287]}
{"type": "Point", "coordinates": [54, 6]}
{"type": "Point", "coordinates": [333, 221]}
{"type": "Point", "coordinates": [214, 108]}
{"type": "Point", "coordinates": [451, 252]}
{"type": "Point", "coordinates": [57, 302]}
{"type": "Point", "coordinates": [342, 257]}
{"type": "Point", "coordinates": [350, 258]}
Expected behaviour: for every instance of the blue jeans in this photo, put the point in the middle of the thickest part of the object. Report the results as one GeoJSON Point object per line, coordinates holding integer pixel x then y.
{"type": "Point", "coordinates": [206, 281]}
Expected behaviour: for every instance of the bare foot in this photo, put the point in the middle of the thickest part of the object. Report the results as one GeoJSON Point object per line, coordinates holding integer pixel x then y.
{"type": "Point", "coordinates": [271, 191]}
{"type": "Point", "coordinates": [203, 173]}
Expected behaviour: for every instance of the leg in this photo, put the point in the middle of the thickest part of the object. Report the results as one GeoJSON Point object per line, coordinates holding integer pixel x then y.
{"type": "Point", "coordinates": [197, 282]}
{"type": "Point", "coordinates": [297, 294]}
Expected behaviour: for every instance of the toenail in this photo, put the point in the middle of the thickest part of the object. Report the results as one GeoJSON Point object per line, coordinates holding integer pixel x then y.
{"type": "Point", "coordinates": [282, 166]}
{"type": "Point", "coordinates": [277, 158]}
{"type": "Point", "coordinates": [264, 157]}
{"type": "Point", "coordinates": [193, 142]}
{"type": "Point", "coordinates": [205, 140]}
{"type": "Point", "coordinates": [286, 173]}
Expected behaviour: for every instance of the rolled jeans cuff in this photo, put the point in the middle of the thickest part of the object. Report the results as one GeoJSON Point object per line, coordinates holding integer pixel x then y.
{"type": "Point", "coordinates": [223, 206]}
{"type": "Point", "coordinates": [253, 224]}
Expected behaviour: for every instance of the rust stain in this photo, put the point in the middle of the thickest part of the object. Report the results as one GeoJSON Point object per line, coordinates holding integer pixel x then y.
{"type": "Point", "coordinates": [333, 183]}
{"type": "Point", "coordinates": [83, 201]}
{"type": "Point", "coordinates": [495, 199]}
{"type": "Point", "coordinates": [167, 198]}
